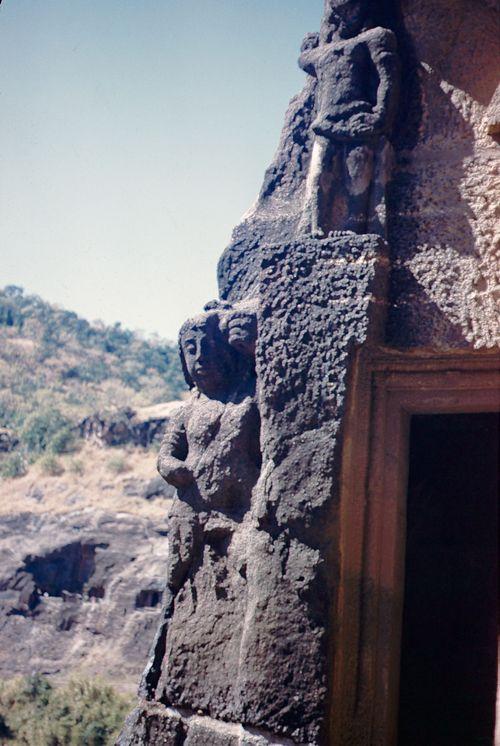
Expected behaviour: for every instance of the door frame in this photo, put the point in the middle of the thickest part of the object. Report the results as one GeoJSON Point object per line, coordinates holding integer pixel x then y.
{"type": "Point", "coordinates": [386, 389]}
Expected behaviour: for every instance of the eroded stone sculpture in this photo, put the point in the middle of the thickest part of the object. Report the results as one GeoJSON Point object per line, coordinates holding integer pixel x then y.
{"type": "Point", "coordinates": [250, 647]}
{"type": "Point", "coordinates": [356, 67]}
{"type": "Point", "coordinates": [210, 453]}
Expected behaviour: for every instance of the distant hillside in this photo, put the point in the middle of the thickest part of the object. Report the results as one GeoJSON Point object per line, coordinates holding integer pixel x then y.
{"type": "Point", "coordinates": [58, 366]}
{"type": "Point", "coordinates": [78, 502]}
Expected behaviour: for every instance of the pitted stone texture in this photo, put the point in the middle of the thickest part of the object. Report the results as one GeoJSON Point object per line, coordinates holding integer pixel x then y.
{"type": "Point", "coordinates": [211, 454]}
{"type": "Point", "coordinates": [316, 302]}
{"type": "Point", "coordinates": [150, 724]}
{"type": "Point", "coordinates": [281, 679]}
{"type": "Point", "coordinates": [494, 114]}
{"type": "Point", "coordinates": [313, 310]}
{"type": "Point", "coordinates": [444, 199]}
{"type": "Point", "coordinates": [154, 724]}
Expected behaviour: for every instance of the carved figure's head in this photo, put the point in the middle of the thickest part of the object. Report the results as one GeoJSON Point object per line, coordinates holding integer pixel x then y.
{"type": "Point", "coordinates": [208, 361]}
{"type": "Point", "coordinates": [345, 18]}
{"type": "Point", "coordinates": [238, 321]}
{"type": "Point", "coordinates": [310, 41]}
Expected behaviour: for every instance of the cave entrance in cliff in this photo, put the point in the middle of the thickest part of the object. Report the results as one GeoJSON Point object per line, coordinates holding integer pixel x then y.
{"type": "Point", "coordinates": [448, 681]}
{"type": "Point", "coordinates": [403, 409]}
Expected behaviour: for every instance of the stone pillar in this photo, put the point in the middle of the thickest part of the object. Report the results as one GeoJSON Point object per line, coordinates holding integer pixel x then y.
{"type": "Point", "coordinates": [317, 305]}
{"type": "Point", "coordinates": [245, 652]}
{"type": "Point", "coordinates": [258, 669]}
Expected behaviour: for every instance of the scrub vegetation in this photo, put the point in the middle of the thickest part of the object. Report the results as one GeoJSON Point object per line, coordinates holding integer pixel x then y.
{"type": "Point", "coordinates": [57, 368]}
{"type": "Point", "coordinates": [34, 712]}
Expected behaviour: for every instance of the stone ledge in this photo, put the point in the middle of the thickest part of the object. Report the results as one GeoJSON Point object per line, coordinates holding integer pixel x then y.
{"type": "Point", "coordinates": [168, 726]}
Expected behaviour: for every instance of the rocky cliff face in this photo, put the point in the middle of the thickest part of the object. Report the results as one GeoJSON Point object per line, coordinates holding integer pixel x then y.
{"type": "Point", "coordinates": [140, 427]}
{"type": "Point", "coordinates": [79, 592]}
{"type": "Point", "coordinates": [82, 567]}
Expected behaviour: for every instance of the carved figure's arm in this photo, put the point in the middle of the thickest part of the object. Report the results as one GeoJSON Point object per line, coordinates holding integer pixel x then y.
{"type": "Point", "coordinates": [385, 57]}
{"type": "Point", "coordinates": [308, 53]}
{"type": "Point", "coordinates": [383, 51]}
{"type": "Point", "coordinates": [174, 452]}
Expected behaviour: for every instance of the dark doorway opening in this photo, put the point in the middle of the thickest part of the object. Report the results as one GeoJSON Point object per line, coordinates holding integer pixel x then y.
{"type": "Point", "coordinates": [449, 639]}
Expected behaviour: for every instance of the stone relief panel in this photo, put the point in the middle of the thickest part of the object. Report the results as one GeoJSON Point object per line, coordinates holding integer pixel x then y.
{"type": "Point", "coordinates": [441, 205]}
{"type": "Point", "coordinates": [211, 454]}
{"type": "Point", "coordinates": [247, 639]}
{"type": "Point", "coordinates": [252, 574]}
{"type": "Point", "coordinates": [356, 66]}
{"type": "Point", "coordinates": [334, 157]}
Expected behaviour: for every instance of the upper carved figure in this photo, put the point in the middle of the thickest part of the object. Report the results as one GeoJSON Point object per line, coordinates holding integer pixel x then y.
{"type": "Point", "coordinates": [357, 69]}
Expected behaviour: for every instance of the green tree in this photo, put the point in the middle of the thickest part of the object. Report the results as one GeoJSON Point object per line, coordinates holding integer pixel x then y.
{"type": "Point", "coordinates": [63, 441]}
{"type": "Point", "coordinates": [80, 713]}
{"type": "Point", "coordinates": [41, 427]}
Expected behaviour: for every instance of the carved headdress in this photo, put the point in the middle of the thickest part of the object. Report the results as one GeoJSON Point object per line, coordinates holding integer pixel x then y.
{"type": "Point", "coordinates": [346, 17]}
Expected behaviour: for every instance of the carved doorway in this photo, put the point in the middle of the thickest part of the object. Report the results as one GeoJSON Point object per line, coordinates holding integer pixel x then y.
{"type": "Point", "coordinates": [395, 394]}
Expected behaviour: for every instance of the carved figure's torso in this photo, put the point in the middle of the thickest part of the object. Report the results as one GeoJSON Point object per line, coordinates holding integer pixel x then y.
{"type": "Point", "coordinates": [350, 73]}
{"type": "Point", "coordinates": [344, 86]}
{"type": "Point", "coordinates": [221, 450]}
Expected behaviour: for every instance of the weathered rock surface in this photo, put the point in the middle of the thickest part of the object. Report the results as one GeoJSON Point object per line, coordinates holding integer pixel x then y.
{"type": "Point", "coordinates": [246, 629]}
{"type": "Point", "coordinates": [246, 652]}
{"type": "Point", "coordinates": [317, 304]}
{"type": "Point", "coordinates": [141, 427]}
{"type": "Point", "coordinates": [79, 593]}
{"type": "Point", "coordinates": [442, 201]}
{"type": "Point", "coordinates": [8, 440]}
{"type": "Point", "coordinates": [156, 724]}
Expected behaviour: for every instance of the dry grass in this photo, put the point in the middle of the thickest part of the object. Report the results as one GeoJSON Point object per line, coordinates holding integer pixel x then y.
{"type": "Point", "coordinates": [97, 487]}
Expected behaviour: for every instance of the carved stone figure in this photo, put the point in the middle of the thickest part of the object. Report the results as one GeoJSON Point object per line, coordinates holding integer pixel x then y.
{"type": "Point", "coordinates": [276, 613]}
{"type": "Point", "coordinates": [210, 453]}
{"type": "Point", "coordinates": [356, 66]}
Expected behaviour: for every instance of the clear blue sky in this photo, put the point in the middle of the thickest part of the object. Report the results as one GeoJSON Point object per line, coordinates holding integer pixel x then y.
{"type": "Point", "coordinates": [133, 136]}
